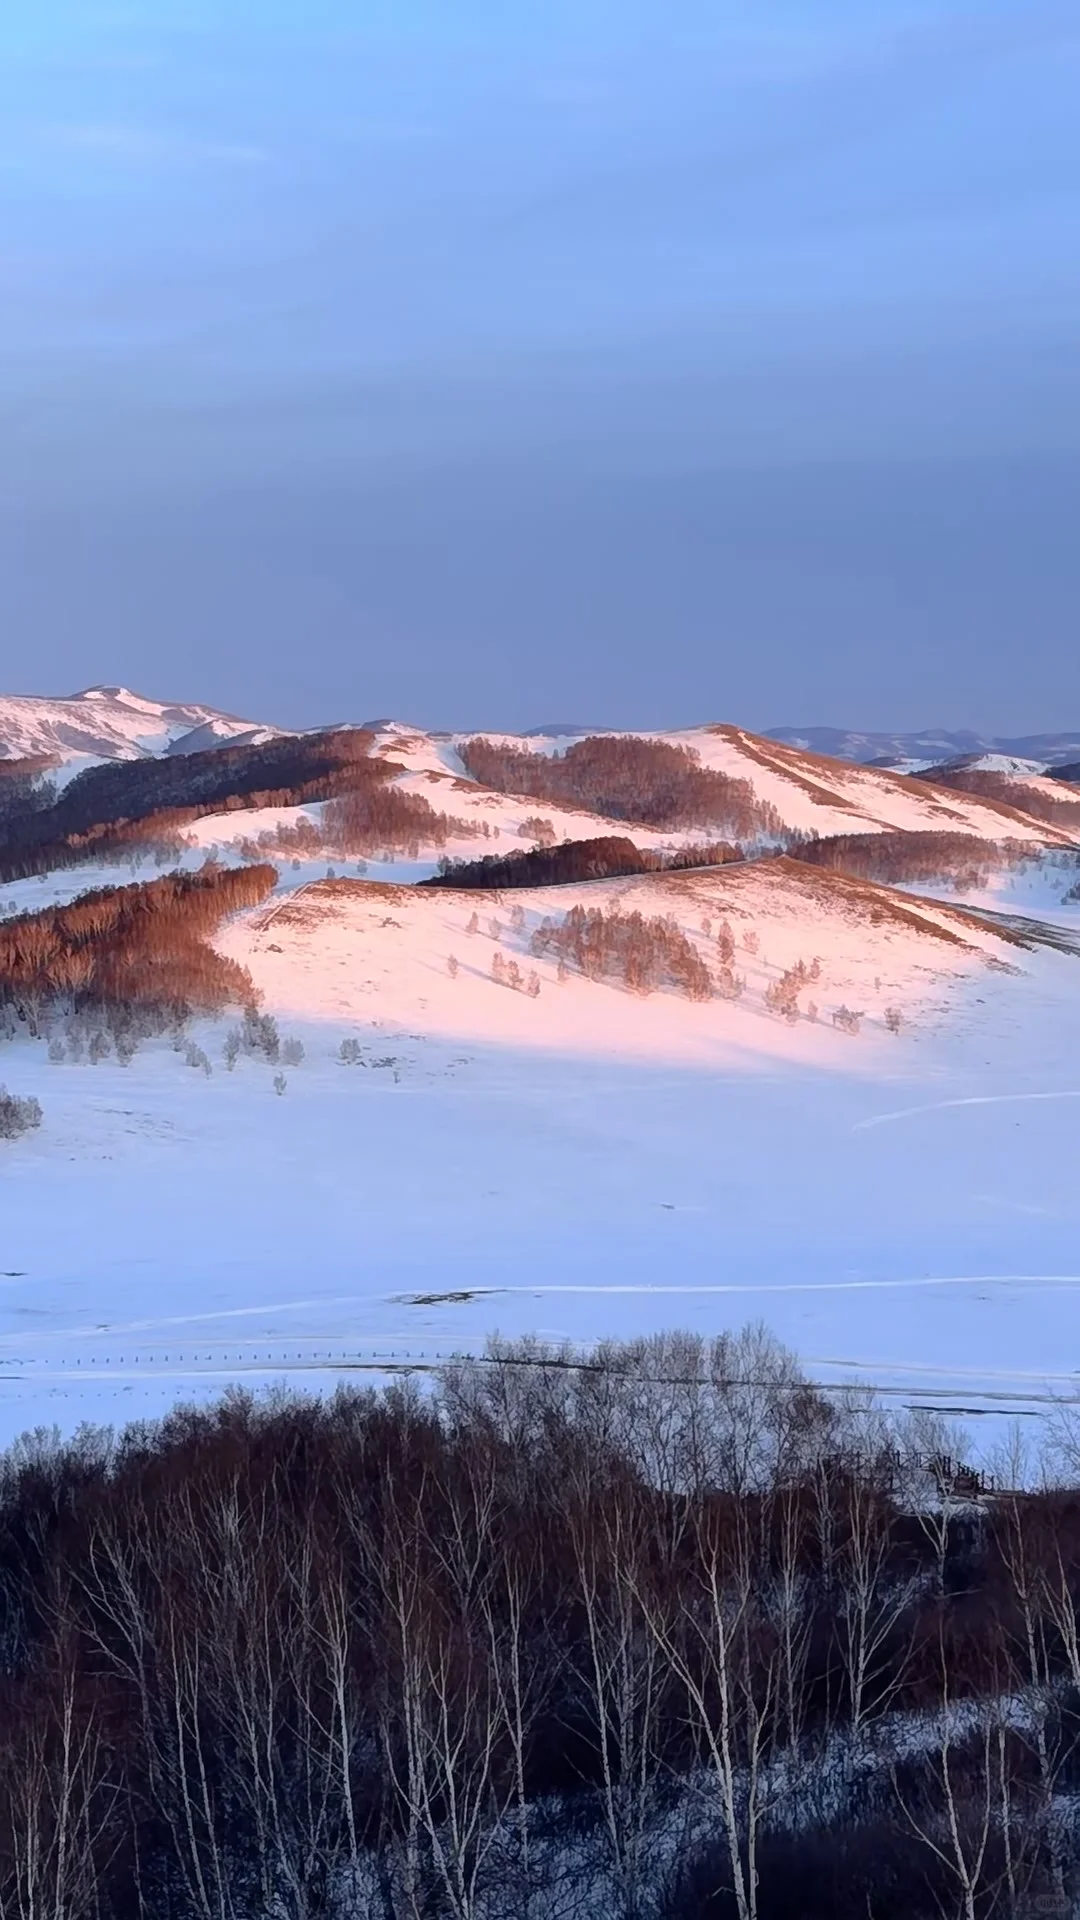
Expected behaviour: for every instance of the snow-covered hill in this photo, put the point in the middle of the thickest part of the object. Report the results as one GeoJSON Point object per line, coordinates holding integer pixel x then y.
{"type": "Point", "coordinates": [111, 723]}
{"type": "Point", "coordinates": [810, 792]}
{"type": "Point", "coordinates": [822, 795]}
{"type": "Point", "coordinates": [930, 747]}
{"type": "Point", "coordinates": [346, 951]}
{"type": "Point", "coordinates": [805, 792]}
{"type": "Point", "coordinates": [817, 795]}
{"type": "Point", "coordinates": [477, 1138]}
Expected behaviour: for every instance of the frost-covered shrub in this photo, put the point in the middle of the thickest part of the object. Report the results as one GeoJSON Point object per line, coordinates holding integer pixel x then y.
{"type": "Point", "coordinates": [292, 1052]}
{"type": "Point", "coordinates": [259, 1034]}
{"type": "Point", "coordinates": [18, 1116]}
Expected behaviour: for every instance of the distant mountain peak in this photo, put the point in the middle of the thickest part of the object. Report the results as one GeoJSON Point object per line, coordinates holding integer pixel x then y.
{"type": "Point", "coordinates": [932, 746]}
{"type": "Point", "coordinates": [109, 723]}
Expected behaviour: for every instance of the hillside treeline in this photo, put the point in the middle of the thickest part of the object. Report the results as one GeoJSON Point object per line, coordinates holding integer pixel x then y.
{"type": "Point", "coordinates": [108, 809]}
{"type": "Point", "coordinates": [386, 819]}
{"type": "Point", "coordinates": [644, 952]}
{"type": "Point", "coordinates": [24, 785]}
{"type": "Point", "coordinates": [897, 859]}
{"type": "Point", "coordinates": [141, 946]}
{"type": "Point", "coordinates": [608, 857]}
{"type": "Point", "coordinates": [664, 1634]}
{"type": "Point", "coordinates": [1003, 790]}
{"type": "Point", "coordinates": [624, 777]}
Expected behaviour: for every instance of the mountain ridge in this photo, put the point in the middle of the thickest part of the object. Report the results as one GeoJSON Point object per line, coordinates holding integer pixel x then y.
{"type": "Point", "coordinates": [111, 723]}
{"type": "Point", "coordinates": [931, 745]}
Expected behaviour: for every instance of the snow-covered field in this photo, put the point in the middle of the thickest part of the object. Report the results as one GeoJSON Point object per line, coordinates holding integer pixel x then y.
{"type": "Point", "coordinates": [1038, 889]}
{"type": "Point", "coordinates": [901, 1208]}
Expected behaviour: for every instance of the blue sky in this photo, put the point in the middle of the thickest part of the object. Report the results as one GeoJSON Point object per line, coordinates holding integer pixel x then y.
{"type": "Point", "coordinates": [492, 363]}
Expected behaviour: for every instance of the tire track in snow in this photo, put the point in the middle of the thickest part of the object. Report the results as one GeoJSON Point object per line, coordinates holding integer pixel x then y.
{"type": "Point", "coordinates": [970, 1100]}
{"type": "Point", "coordinates": [121, 1330]}
{"type": "Point", "coordinates": [809, 1286]}
{"type": "Point", "coordinates": [118, 1330]}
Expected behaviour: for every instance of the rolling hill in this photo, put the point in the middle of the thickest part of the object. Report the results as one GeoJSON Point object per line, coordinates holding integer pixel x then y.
{"type": "Point", "coordinates": [829, 1083]}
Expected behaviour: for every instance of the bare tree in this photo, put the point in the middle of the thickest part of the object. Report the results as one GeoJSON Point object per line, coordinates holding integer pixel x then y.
{"type": "Point", "coordinates": [720, 1650]}
{"type": "Point", "coordinates": [965, 1816]}
{"type": "Point", "coordinates": [60, 1808]}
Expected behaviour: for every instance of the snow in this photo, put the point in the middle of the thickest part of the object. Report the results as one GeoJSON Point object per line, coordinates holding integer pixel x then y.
{"type": "Point", "coordinates": [1038, 888]}
{"type": "Point", "coordinates": [108, 723]}
{"type": "Point", "coordinates": [1023, 782]}
{"type": "Point", "coordinates": [220, 832]}
{"type": "Point", "coordinates": [818, 796]}
{"type": "Point", "coordinates": [221, 732]}
{"type": "Point", "coordinates": [331, 949]}
{"type": "Point", "coordinates": [502, 815]}
{"type": "Point", "coordinates": [900, 1208]}
{"type": "Point", "coordinates": [809, 794]}
{"type": "Point", "coordinates": [64, 884]}
{"type": "Point", "coordinates": [1010, 763]}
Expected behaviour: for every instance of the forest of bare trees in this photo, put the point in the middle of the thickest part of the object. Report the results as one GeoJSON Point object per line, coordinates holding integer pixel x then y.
{"type": "Point", "coordinates": [644, 952]}
{"type": "Point", "coordinates": [139, 947]}
{"type": "Point", "coordinates": [904, 858]}
{"type": "Point", "coordinates": [608, 857]}
{"type": "Point", "coordinates": [385, 819]}
{"type": "Point", "coordinates": [662, 1632]}
{"type": "Point", "coordinates": [1060, 809]}
{"type": "Point", "coordinates": [108, 810]}
{"type": "Point", "coordinates": [24, 784]}
{"type": "Point", "coordinates": [628, 778]}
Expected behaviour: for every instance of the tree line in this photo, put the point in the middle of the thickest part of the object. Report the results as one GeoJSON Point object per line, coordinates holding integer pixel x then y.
{"type": "Point", "coordinates": [1061, 810]}
{"type": "Point", "coordinates": [625, 777]}
{"type": "Point", "coordinates": [662, 1632]}
{"type": "Point", "coordinates": [106, 810]}
{"type": "Point", "coordinates": [24, 785]}
{"type": "Point", "coordinates": [137, 947]}
{"type": "Point", "coordinates": [385, 819]}
{"type": "Point", "coordinates": [903, 858]}
{"type": "Point", "coordinates": [607, 857]}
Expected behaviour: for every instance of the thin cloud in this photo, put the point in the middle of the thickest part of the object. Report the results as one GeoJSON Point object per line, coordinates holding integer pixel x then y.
{"type": "Point", "coordinates": [127, 142]}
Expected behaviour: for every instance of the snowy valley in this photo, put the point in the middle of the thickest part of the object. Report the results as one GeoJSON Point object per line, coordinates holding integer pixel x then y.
{"type": "Point", "coordinates": [824, 1076]}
